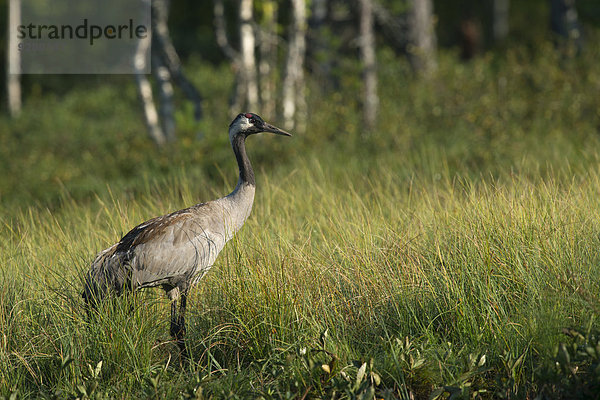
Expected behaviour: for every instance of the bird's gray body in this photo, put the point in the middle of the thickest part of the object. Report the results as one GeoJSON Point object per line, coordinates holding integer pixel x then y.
{"type": "Point", "coordinates": [173, 251]}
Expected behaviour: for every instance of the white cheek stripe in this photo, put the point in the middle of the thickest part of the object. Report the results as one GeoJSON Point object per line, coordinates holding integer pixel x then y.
{"type": "Point", "coordinates": [241, 124]}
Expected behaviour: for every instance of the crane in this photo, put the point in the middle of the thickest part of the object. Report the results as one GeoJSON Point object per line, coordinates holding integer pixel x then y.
{"type": "Point", "coordinates": [176, 250]}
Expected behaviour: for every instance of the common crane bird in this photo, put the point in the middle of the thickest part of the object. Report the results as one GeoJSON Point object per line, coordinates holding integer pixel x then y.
{"type": "Point", "coordinates": [176, 250]}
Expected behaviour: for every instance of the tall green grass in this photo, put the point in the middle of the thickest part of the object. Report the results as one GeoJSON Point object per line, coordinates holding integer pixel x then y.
{"type": "Point", "coordinates": [460, 267]}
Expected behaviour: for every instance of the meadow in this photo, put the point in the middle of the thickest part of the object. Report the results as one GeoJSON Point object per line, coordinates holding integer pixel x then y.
{"type": "Point", "coordinates": [451, 253]}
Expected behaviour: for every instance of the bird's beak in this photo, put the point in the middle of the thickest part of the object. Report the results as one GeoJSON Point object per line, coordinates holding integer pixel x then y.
{"type": "Point", "coordinates": [273, 129]}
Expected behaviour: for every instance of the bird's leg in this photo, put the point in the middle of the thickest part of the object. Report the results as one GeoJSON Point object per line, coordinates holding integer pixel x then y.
{"type": "Point", "coordinates": [174, 325]}
{"type": "Point", "coordinates": [181, 325]}
{"type": "Point", "coordinates": [181, 319]}
{"type": "Point", "coordinates": [178, 324]}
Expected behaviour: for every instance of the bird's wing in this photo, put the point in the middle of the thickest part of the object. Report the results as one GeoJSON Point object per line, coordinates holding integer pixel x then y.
{"type": "Point", "coordinates": [150, 230]}
{"type": "Point", "coordinates": [175, 246]}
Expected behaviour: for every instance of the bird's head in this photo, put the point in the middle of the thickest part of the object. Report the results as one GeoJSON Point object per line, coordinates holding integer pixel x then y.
{"type": "Point", "coordinates": [247, 124]}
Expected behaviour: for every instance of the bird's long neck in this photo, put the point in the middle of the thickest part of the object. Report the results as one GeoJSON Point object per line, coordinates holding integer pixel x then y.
{"type": "Point", "coordinates": [246, 172]}
{"type": "Point", "coordinates": [239, 201]}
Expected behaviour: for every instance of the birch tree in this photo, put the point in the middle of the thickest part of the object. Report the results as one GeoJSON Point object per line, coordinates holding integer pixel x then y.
{"type": "Point", "coordinates": [160, 71]}
{"type": "Point", "coordinates": [245, 93]}
{"type": "Point", "coordinates": [166, 69]}
{"type": "Point", "coordinates": [168, 56]}
{"type": "Point", "coordinates": [423, 42]}
{"type": "Point", "coordinates": [162, 76]}
{"type": "Point", "coordinates": [248, 57]}
{"type": "Point", "coordinates": [294, 103]}
{"type": "Point", "coordinates": [145, 93]}
{"type": "Point", "coordinates": [367, 53]}
{"type": "Point", "coordinates": [13, 72]}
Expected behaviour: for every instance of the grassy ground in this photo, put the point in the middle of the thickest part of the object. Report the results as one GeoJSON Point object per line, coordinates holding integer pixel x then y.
{"type": "Point", "coordinates": [451, 252]}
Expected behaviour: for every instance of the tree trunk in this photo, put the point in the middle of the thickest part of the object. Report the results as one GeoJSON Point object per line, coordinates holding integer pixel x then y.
{"type": "Point", "coordinates": [165, 49]}
{"type": "Point", "coordinates": [268, 57]}
{"type": "Point", "coordinates": [294, 103]}
{"type": "Point", "coordinates": [423, 43]}
{"type": "Point", "coordinates": [145, 92]}
{"type": "Point", "coordinates": [13, 75]}
{"type": "Point", "coordinates": [165, 91]}
{"type": "Point", "coordinates": [367, 53]}
{"type": "Point", "coordinates": [166, 69]}
{"type": "Point", "coordinates": [248, 64]}
{"type": "Point", "coordinates": [161, 73]}
{"type": "Point", "coordinates": [500, 15]}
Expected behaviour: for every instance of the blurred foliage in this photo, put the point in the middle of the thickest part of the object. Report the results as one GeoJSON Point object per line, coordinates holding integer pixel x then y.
{"type": "Point", "coordinates": [191, 28]}
{"type": "Point", "coordinates": [521, 110]}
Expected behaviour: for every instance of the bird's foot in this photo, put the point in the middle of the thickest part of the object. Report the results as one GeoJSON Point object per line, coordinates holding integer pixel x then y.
{"type": "Point", "coordinates": [178, 333]}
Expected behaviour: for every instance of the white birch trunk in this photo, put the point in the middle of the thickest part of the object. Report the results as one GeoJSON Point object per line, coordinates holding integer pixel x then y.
{"type": "Point", "coordinates": [422, 36]}
{"type": "Point", "coordinates": [13, 75]}
{"type": "Point", "coordinates": [165, 91]}
{"type": "Point", "coordinates": [161, 73]}
{"type": "Point", "coordinates": [367, 53]}
{"type": "Point", "coordinates": [145, 93]}
{"type": "Point", "coordinates": [248, 43]}
{"type": "Point", "coordinates": [170, 60]}
{"type": "Point", "coordinates": [294, 103]}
